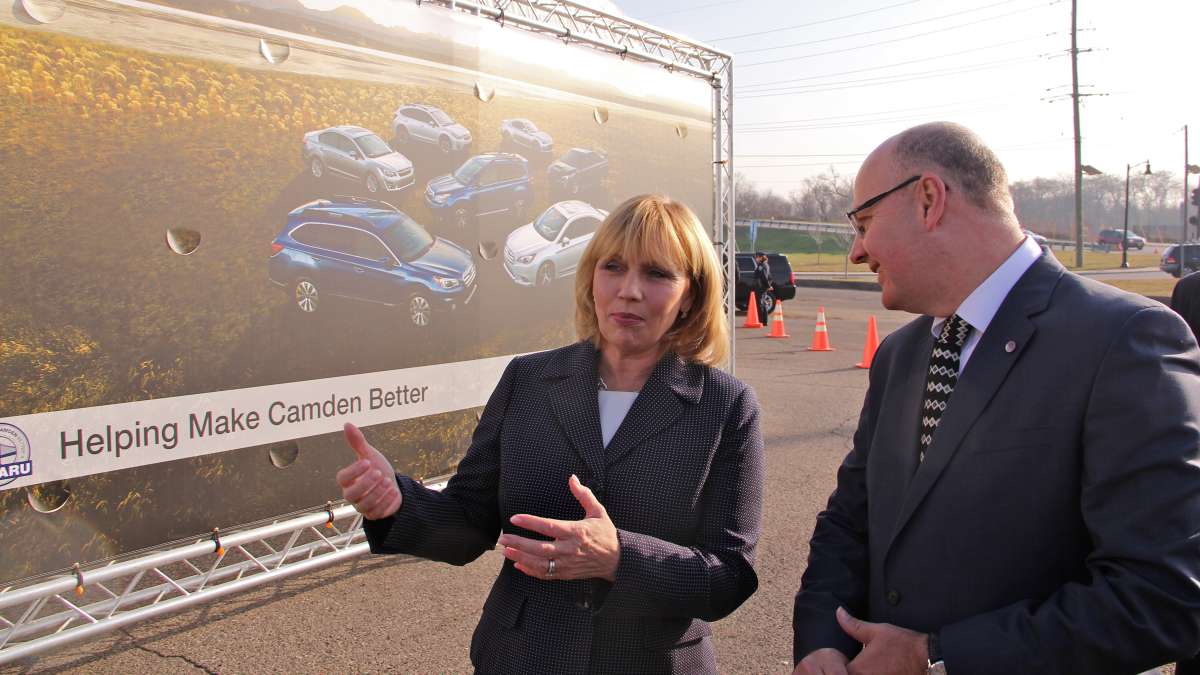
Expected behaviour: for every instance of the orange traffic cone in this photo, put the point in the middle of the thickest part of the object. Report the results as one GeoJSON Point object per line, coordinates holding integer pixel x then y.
{"type": "Point", "coordinates": [777, 329]}
{"type": "Point", "coordinates": [820, 341]}
{"type": "Point", "coordinates": [752, 313]}
{"type": "Point", "coordinates": [870, 345]}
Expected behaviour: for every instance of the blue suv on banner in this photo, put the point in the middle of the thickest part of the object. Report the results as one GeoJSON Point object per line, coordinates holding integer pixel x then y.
{"type": "Point", "coordinates": [366, 250]}
{"type": "Point", "coordinates": [15, 457]}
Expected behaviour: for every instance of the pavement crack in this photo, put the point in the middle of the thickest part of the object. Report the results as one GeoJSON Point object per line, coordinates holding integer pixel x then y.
{"type": "Point", "coordinates": [194, 664]}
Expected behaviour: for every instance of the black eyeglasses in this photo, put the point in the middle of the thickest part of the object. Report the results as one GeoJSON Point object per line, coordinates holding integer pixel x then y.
{"type": "Point", "coordinates": [852, 214]}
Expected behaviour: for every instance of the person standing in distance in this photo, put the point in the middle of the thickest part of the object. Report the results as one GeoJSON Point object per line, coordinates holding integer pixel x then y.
{"type": "Point", "coordinates": [763, 286]}
{"type": "Point", "coordinates": [622, 475]}
{"type": "Point", "coordinates": [1022, 494]}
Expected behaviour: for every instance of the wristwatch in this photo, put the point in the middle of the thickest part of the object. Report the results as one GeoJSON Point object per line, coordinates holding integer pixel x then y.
{"type": "Point", "coordinates": [936, 666]}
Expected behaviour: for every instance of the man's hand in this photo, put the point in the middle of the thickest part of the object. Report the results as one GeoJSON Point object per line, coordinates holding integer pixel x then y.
{"type": "Point", "coordinates": [826, 661]}
{"type": "Point", "coordinates": [887, 649]}
{"type": "Point", "coordinates": [370, 482]}
{"type": "Point", "coordinates": [582, 549]}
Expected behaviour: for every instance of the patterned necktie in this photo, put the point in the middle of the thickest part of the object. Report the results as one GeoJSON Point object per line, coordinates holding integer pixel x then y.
{"type": "Point", "coordinates": [942, 376]}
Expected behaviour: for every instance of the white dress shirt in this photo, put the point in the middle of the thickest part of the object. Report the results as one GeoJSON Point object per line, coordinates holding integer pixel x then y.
{"type": "Point", "coordinates": [614, 405]}
{"type": "Point", "coordinates": [981, 305]}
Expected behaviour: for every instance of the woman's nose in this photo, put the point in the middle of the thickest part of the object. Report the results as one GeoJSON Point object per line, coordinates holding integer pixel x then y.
{"type": "Point", "coordinates": [630, 286]}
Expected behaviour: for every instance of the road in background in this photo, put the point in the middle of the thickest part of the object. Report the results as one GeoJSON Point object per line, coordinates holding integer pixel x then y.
{"type": "Point", "coordinates": [387, 614]}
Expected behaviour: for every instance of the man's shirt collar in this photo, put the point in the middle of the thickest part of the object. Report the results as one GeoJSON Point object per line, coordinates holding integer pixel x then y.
{"type": "Point", "coordinates": [981, 305]}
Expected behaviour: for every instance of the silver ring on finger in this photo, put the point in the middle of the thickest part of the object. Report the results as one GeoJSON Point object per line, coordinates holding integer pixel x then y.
{"type": "Point", "coordinates": [550, 568]}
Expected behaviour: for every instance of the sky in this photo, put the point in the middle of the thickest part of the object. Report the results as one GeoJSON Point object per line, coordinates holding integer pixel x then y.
{"type": "Point", "coordinates": [818, 85]}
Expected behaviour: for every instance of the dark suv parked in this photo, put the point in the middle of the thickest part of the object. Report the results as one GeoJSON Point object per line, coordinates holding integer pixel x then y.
{"type": "Point", "coordinates": [781, 279]}
{"type": "Point", "coordinates": [580, 170]}
{"type": "Point", "coordinates": [369, 251]}
{"type": "Point", "coordinates": [487, 185]}
{"type": "Point", "coordinates": [1114, 237]}
{"type": "Point", "coordinates": [1180, 260]}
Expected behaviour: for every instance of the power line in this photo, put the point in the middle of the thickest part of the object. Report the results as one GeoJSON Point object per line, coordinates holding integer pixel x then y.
{"type": "Point", "coordinates": [886, 79]}
{"type": "Point", "coordinates": [845, 154]}
{"type": "Point", "coordinates": [877, 30]}
{"type": "Point", "coordinates": [856, 71]}
{"type": "Point", "coordinates": [813, 23]}
{"type": "Point", "coordinates": [691, 9]}
{"type": "Point", "coordinates": [874, 82]}
{"type": "Point", "coordinates": [873, 114]}
{"type": "Point", "coordinates": [1011, 148]}
{"type": "Point", "coordinates": [900, 39]}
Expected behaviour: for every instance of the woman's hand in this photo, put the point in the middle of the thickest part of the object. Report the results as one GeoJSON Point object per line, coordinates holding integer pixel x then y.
{"type": "Point", "coordinates": [370, 482]}
{"type": "Point", "coordinates": [582, 549]}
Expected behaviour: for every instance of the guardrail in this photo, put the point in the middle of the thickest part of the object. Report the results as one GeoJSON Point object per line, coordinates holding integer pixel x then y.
{"type": "Point", "coordinates": [801, 226]}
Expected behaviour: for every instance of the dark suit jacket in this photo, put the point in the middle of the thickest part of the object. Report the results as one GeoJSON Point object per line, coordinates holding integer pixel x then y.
{"type": "Point", "coordinates": [1054, 526]}
{"type": "Point", "coordinates": [1185, 300]}
{"type": "Point", "coordinates": [681, 480]}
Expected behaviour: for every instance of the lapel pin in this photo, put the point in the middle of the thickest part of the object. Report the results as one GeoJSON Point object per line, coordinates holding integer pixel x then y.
{"type": "Point", "coordinates": [1010, 346]}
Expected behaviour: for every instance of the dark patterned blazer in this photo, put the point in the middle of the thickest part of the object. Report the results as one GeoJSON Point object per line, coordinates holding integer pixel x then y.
{"type": "Point", "coordinates": [1053, 525]}
{"type": "Point", "coordinates": [681, 480]}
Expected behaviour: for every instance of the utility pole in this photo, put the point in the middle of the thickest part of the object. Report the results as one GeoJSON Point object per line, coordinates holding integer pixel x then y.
{"type": "Point", "coordinates": [1078, 150]}
{"type": "Point", "coordinates": [1186, 171]}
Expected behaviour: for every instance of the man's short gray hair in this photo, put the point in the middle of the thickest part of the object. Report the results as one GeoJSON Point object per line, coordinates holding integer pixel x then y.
{"type": "Point", "coordinates": [962, 155]}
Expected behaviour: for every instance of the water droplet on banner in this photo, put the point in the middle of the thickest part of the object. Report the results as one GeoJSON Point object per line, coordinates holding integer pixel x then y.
{"type": "Point", "coordinates": [274, 52]}
{"type": "Point", "coordinates": [484, 92]}
{"type": "Point", "coordinates": [488, 249]}
{"type": "Point", "coordinates": [48, 497]}
{"type": "Point", "coordinates": [283, 454]}
{"type": "Point", "coordinates": [600, 115]}
{"type": "Point", "coordinates": [681, 130]}
{"type": "Point", "coordinates": [44, 11]}
{"type": "Point", "coordinates": [182, 240]}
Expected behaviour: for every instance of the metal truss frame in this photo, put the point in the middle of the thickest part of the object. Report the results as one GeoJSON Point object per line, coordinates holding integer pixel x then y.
{"type": "Point", "coordinates": [574, 23]}
{"type": "Point", "coordinates": [50, 614]}
{"type": "Point", "coordinates": [86, 603]}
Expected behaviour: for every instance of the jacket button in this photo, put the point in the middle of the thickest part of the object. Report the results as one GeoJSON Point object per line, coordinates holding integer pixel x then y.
{"type": "Point", "coordinates": [893, 597]}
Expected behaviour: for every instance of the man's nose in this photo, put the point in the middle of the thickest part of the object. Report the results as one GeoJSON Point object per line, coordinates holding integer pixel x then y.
{"type": "Point", "coordinates": [858, 254]}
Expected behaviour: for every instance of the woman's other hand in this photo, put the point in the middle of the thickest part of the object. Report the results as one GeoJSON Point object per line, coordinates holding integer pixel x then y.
{"type": "Point", "coordinates": [370, 482]}
{"type": "Point", "coordinates": [582, 549]}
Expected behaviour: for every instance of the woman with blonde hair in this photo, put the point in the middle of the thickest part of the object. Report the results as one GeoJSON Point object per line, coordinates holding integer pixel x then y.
{"type": "Point", "coordinates": [622, 474]}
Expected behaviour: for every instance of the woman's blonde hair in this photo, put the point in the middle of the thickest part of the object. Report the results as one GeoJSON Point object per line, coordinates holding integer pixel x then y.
{"type": "Point", "coordinates": [655, 228]}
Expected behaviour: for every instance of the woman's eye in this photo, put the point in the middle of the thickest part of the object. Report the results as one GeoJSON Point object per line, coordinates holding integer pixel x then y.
{"type": "Point", "coordinates": [612, 266]}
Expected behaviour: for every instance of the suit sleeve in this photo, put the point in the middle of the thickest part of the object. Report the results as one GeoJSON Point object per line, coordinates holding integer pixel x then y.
{"type": "Point", "coordinates": [461, 522]}
{"type": "Point", "coordinates": [1136, 603]}
{"type": "Point", "coordinates": [714, 576]}
{"type": "Point", "coordinates": [839, 558]}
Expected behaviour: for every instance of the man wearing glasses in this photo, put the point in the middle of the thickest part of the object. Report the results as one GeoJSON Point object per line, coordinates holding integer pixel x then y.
{"type": "Point", "coordinates": [1023, 490]}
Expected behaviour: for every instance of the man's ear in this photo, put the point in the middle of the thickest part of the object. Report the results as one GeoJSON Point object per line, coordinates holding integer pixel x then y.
{"type": "Point", "coordinates": [931, 196]}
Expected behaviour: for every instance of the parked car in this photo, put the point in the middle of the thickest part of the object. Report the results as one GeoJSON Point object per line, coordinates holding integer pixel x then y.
{"type": "Point", "coordinates": [781, 278]}
{"type": "Point", "coordinates": [1180, 260]}
{"type": "Point", "coordinates": [522, 133]}
{"type": "Point", "coordinates": [421, 123]}
{"type": "Point", "coordinates": [549, 248]}
{"type": "Point", "coordinates": [487, 185]}
{"type": "Point", "coordinates": [580, 170]}
{"type": "Point", "coordinates": [1115, 237]}
{"type": "Point", "coordinates": [369, 251]}
{"type": "Point", "coordinates": [359, 155]}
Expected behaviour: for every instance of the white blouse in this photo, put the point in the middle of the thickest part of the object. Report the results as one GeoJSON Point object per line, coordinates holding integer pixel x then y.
{"type": "Point", "coordinates": [614, 405]}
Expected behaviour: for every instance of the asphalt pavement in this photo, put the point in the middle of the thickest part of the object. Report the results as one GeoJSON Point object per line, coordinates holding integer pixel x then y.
{"type": "Point", "coordinates": [384, 614]}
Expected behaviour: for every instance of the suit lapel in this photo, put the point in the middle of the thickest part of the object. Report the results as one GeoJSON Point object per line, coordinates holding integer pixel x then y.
{"type": "Point", "coordinates": [573, 400]}
{"type": "Point", "coordinates": [998, 350]}
{"type": "Point", "coordinates": [657, 406]}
